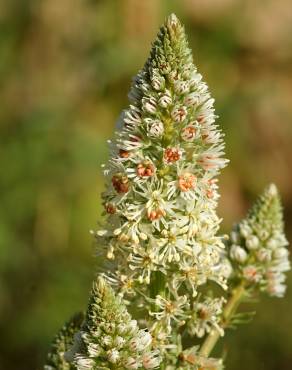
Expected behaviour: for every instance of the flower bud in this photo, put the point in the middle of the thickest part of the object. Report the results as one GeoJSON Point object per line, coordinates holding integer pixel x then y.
{"type": "Point", "coordinates": [245, 230]}
{"type": "Point", "coordinates": [113, 356]}
{"type": "Point", "coordinates": [281, 253]}
{"type": "Point", "coordinates": [272, 243]}
{"type": "Point", "coordinates": [189, 133]}
{"type": "Point", "coordinates": [157, 81]}
{"type": "Point", "coordinates": [179, 114]}
{"type": "Point", "coordinates": [187, 181]}
{"type": "Point", "coordinates": [165, 99]}
{"type": "Point", "coordinates": [149, 105]}
{"type": "Point", "coordinates": [238, 254]}
{"type": "Point", "coordinates": [171, 155]}
{"type": "Point", "coordinates": [252, 242]}
{"type": "Point", "coordinates": [191, 99]}
{"type": "Point", "coordinates": [120, 183]}
{"type": "Point", "coordinates": [155, 128]}
{"type": "Point", "coordinates": [181, 87]}
{"type": "Point", "coordinates": [234, 237]}
{"type": "Point", "coordinates": [263, 255]}
{"type": "Point", "coordinates": [132, 363]}
{"type": "Point", "coordinates": [251, 273]}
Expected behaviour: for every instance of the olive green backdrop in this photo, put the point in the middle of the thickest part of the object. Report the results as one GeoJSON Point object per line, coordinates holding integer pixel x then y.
{"type": "Point", "coordinates": [65, 70]}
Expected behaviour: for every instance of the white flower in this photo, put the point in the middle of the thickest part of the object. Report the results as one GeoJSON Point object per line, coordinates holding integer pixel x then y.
{"type": "Point", "coordinates": [122, 328]}
{"type": "Point", "coordinates": [151, 360]}
{"type": "Point", "coordinates": [275, 284]}
{"type": "Point", "coordinates": [191, 218]}
{"type": "Point", "coordinates": [211, 160]}
{"type": "Point", "coordinates": [210, 136]}
{"type": "Point", "coordinates": [193, 275]}
{"type": "Point", "coordinates": [156, 204]}
{"type": "Point", "coordinates": [185, 184]}
{"type": "Point", "coordinates": [132, 143]}
{"type": "Point", "coordinates": [225, 271]}
{"type": "Point", "coordinates": [141, 341]}
{"type": "Point", "coordinates": [171, 310]}
{"type": "Point", "coordinates": [145, 262]}
{"type": "Point", "coordinates": [206, 315]}
{"type": "Point", "coordinates": [172, 246]}
{"type": "Point", "coordinates": [192, 99]}
{"type": "Point", "coordinates": [132, 116]}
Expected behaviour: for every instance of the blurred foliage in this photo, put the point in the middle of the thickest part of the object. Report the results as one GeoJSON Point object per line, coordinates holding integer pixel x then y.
{"type": "Point", "coordinates": [65, 70]}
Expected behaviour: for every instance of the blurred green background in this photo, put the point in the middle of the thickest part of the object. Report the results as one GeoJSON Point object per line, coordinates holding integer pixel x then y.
{"type": "Point", "coordinates": [65, 70]}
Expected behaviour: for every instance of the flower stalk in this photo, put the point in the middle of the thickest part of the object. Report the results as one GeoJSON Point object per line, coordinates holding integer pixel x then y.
{"type": "Point", "coordinates": [230, 309]}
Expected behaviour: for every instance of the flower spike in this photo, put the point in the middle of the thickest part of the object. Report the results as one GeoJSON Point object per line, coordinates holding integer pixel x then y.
{"type": "Point", "coordinates": [109, 338]}
{"type": "Point", "coordinates": [161, 195]}
{"type": "Point", "coordinates": [62, 343]}
{"type": "Point", "coordinates": [258, 245]}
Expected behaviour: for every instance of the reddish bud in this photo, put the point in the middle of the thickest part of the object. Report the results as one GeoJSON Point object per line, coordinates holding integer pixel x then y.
{"type": "Point", "coordinates": [145, 169]}
{"type": "Point", "coordinates": [120, 183]}
{"type": "Point", "coordinates": [171, 155]}
{"type": "Point", "coordinates": [187, 181]}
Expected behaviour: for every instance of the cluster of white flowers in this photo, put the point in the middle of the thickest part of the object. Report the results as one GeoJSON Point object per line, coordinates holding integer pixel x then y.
{"type": "Point", "coordinates": [258, 246]}
{"type": "Point", "coordinates": [206, 315]}
{"type": "Point", "coordinates": [161, 195]}
{"type": "Point", "coordinates": [110, 336]}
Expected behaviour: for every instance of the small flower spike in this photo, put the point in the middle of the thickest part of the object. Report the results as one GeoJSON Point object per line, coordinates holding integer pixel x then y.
{"type": "Point", "coordinates": [161, 194]}
{"type": "Point", "coordinates": [109, 338]}
{"type": "Point", "coordinates": [258, 246]}
{"type": "Point", "coordinates": [62, 343]}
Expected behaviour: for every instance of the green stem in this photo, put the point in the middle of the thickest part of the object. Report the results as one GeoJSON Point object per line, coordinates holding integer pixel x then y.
{"type": "Point", "coordinates": [157, 284]}
{"type": "Point", "coordinates": [228, 312]}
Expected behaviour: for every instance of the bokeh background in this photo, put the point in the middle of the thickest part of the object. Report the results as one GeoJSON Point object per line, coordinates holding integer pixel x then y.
{"type": "Point", "coordinates": [65, 70]}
